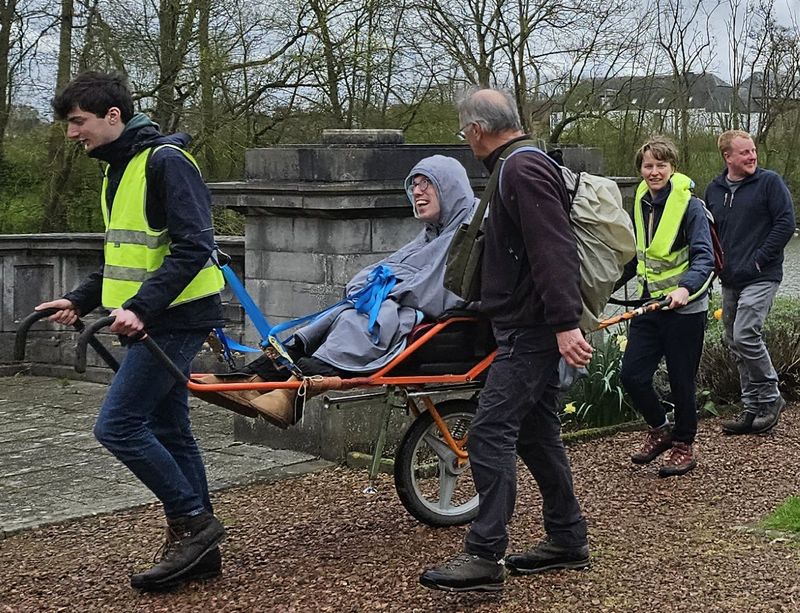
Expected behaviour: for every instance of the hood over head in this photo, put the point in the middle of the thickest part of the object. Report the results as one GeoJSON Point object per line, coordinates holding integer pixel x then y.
{"type": "Point", "coordinates": [449, 178]}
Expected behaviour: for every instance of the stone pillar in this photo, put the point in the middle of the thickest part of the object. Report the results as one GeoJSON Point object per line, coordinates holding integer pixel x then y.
{"type": "Point", "coordinates": [316, 215]}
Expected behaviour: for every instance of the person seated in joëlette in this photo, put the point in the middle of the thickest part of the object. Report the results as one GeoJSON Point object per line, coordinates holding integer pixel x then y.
{"type": "Point", "coordinates": [344, 341]}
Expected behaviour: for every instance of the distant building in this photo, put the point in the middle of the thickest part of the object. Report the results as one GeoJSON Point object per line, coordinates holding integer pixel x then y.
{"type": "Point", "coordinates": [659, 98]}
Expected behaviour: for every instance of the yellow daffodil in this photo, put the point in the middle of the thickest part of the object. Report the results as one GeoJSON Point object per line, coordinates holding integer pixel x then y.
{"type": "Point", "coordinates": [622, 342]}
{"type": "Point", "coordinates": [569, 408]}
{"type": "Point", "coordinates": [718, 314]}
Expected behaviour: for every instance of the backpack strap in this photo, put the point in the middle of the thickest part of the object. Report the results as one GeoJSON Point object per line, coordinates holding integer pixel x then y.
{"type": "Point", "coordinates": [489, 190]}
{"type": "Point", "coordinates": [530, 145]}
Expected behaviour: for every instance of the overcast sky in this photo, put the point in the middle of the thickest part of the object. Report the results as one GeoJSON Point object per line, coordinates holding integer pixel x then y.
{"type": "Point", "coordinates": [786, 12]}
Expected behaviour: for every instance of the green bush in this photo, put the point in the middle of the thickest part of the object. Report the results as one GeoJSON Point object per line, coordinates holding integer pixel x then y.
{"type": "Point", "coordinates": [718, 372]}
{"type": "Point", "coordinates": [599, 399]}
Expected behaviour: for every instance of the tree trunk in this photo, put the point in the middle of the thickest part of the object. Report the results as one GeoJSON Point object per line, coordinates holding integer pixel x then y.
{"type": "Point", "coordinates": [206, 93]}
{"type": "Point", "coordinates": [59, 165]}
{"type": "Point", "coordinates": [7, 11]}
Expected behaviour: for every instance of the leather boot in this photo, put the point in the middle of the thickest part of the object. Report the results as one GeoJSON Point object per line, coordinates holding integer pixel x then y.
{"type": "Point", "coordinates": [277, 406]}
{"type": "Point", "coordinates": [238, 401]}
{"type": "Point", "coordinates": [209, 566]}
{"type": "Point", "coordinates": [193, 538]}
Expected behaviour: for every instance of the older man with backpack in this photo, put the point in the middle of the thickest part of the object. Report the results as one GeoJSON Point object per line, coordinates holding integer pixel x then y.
{"type": "Point", "coordinates": [531, 292]}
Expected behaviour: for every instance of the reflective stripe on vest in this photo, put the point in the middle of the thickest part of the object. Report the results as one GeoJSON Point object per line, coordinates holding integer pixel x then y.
{"type": "Point", "coordinates": [657, 264]}
{"type": "Point", "coordinates": [133, 250]}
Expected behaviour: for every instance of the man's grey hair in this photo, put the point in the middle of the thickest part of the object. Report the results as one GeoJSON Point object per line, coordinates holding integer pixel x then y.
{"type": "Point", "coordinates": [494, 113]}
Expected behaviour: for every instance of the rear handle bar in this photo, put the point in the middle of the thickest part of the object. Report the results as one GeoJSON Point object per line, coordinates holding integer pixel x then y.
{"type": "Point", "coordinates": [21, 338]}
{"type": "Point", "coordinates": [88, 335]}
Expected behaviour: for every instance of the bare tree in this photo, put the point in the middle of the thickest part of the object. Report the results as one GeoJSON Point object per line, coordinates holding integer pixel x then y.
{"type": "Point", "coordinates": [7, 20]}
{"type": "Point", "coordinates": [683, 34]}
{"type": "Point", "coordinates": [467, 32]}
{"type": "Point", "coordinates": [59, 161]}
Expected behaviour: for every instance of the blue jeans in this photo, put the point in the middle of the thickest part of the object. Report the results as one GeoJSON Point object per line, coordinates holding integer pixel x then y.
{"type": "Point", "coordinates": [518, 413]}
{"type": "Point", "coordinates": [144, 423]}
{"type": "Point", "coordinates": [743, 314]}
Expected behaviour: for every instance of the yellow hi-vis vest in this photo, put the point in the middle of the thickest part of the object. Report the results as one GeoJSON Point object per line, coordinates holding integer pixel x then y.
{"type": "Point", "coordinates": [133, 250]}
{"type": "Point", "coordinates": [657, 264]}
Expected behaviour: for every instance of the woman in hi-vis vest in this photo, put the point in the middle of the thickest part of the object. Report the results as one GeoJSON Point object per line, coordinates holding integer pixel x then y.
{"type": "Point", "coordinates": [675, 262]}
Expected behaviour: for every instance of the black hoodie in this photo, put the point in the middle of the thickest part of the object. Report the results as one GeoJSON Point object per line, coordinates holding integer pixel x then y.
{"type": "Point", "coordinates": [177, 199]}
{"type": "Point", "coordinates": [531, 270]}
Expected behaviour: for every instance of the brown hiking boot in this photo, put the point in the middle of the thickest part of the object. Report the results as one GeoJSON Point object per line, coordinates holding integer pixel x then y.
{"type": "Point", "coordinates": [193, 539]}
{"type": "Point", "coordinates": [238, 401]}
{"type": "Point", "coordinates": [680, 461]}
{"type": "Point", "coordinates": [209, 566]}
{"type": "Point", "coordinates": [657, 441]}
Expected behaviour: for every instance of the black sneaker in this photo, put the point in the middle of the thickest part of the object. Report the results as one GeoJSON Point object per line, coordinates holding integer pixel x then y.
{"type": "Point", "coordinates": [465, 573]}
{"type": "Point", "coordinates": [187, 554]}
{"type": "Point", "coordinates": [547, 555]}
{"type": "Point", "coordinates": [768, 416]}
{"type": "Point", "coordinates": [742, 424]}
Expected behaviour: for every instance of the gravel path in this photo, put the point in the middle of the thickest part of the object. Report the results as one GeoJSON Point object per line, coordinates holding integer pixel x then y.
{"type": "Point", "coordinates": [316, 543]}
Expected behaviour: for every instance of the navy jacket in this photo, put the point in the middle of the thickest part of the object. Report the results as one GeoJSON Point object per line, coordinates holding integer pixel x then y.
{"type": "Point", "coordinates": [754, 225]}
{"type": "Point", "coordinates": [178, 199]}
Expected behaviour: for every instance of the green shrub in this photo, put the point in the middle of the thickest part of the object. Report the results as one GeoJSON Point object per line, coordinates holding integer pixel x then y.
{"type": "Point", "coordinates": [599, 399]}
{"type": "Point", "coordinates": [718, 372]}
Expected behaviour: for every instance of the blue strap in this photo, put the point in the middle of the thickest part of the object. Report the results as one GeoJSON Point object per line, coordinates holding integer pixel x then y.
{"type": "Point", "coordinates": [253, 312]}
{"type": "Point", "coordinates": [368, 300]}
{"type": "Point", "coordinates": [293, 323]}
{"type": "Point", "coordinates": [228, 344]}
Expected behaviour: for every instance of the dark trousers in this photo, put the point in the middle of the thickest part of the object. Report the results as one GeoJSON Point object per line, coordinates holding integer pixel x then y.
{"type": "Point", "coordinates": [679, 339]}
{"type": "Point", "coordinates": [518, 413]}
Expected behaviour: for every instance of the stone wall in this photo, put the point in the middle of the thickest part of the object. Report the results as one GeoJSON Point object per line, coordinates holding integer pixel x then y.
{"type": "Point", "coordinates": [37, 268]}
{"type": "Point", "coordinates": [315, 215]}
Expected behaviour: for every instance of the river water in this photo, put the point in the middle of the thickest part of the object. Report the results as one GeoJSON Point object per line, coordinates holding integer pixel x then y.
{"type": "Point", "coordinates": [791, 269]}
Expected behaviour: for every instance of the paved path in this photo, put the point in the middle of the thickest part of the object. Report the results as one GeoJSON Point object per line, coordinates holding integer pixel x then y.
{"type": "Point", "coordinates": [52, 468]}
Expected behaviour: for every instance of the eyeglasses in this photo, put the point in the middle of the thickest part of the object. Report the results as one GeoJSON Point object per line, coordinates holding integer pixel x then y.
{"type": "Point", "coordinates": [423, 183]}
{"type": "Point", "coordinates": [462, 132]}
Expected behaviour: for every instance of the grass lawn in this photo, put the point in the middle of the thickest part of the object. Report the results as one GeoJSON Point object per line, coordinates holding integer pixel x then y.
{"type": "Point", "coordinates": [786, 517]}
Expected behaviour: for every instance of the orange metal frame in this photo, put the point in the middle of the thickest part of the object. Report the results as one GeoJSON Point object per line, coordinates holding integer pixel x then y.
{"type": "Point", "coordinates": [384, 377]}
{"type": "Point", "coordinates": [381, 377]}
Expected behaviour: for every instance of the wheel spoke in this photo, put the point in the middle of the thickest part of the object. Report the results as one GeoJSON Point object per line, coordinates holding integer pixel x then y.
{"type": "Point", "coordinates": [441, 449]}
{"type": "Point", "coordinates": [447, 485]}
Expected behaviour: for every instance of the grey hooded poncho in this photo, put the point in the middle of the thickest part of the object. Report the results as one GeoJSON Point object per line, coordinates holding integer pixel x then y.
{"type": "Point", "coordinates": [341, 337]}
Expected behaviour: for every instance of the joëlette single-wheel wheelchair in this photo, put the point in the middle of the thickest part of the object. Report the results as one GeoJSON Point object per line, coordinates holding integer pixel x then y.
{"type": "Point", "coordinates": [443, 359]}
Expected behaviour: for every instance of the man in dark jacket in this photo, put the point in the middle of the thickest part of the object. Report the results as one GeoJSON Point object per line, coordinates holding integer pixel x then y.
{"type": "Point", "coordinates": [157, 277]}
{"type": "Point", "coordinates": [530, 290]}
{"type": "Point", "coordinates": [754, 214]}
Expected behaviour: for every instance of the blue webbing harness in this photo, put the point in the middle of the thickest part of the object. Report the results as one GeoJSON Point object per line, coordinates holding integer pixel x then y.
{"type": "Point", "coordinates": [367, 301]}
